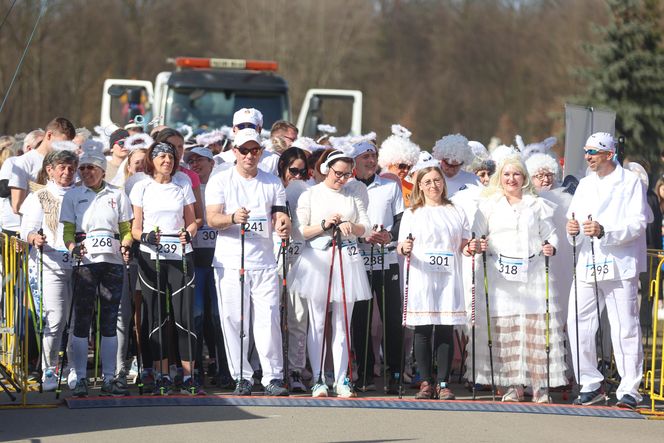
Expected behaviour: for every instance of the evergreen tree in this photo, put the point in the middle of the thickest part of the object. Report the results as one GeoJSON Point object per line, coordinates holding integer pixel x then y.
{"type": "Point", "coordinates": [628, 75]}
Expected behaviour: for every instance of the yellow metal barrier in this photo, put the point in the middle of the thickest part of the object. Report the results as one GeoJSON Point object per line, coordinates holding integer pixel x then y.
{"type": "Point", "coordinates": [653, 364]}
{"type": "Point", "coordinates": [17, 322]}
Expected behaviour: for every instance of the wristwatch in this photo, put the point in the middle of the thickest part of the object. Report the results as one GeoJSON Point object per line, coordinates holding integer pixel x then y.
{"type": "Point", "coordinates": [601, 232]}
{"type": "Point", "coordinates": [322, 225]}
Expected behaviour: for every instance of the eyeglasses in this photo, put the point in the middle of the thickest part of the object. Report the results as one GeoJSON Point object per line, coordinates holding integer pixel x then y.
{"type": "Point", "coordinates": [86, 167]}
{"type": "Point", "coordinates": [121, 142]}
{"type": "Point", "coordinates": [592, 151]}
{"type": "Point", "coordinates": [403, 166]}
{"type": "Point", "coordinates": [339, 174]}
{"type": "Point", "coordinates": [245, 151]}
{"type": "Point", "coordinates": [435, 182]}
{"type": "Point", "coordinates": [297, 171]}
{"type": "Point", "coordinates": [542, 176]}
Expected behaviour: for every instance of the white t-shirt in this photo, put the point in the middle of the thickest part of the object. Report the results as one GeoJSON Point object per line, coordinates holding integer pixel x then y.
{"type": "Point", "coordinates": [8, 220]}
{"type": "Point", "coordinates": [258, 195]}
{"type": "Point", "coordinates": [26, 168]}
{"type": "Point", "coordinates": [163, 206]}
{"type": "Point", "coordinates": [268, 161]}
{"type": "Point", "coordinates": [461, 179]}
{"type": "Point", "coordinates": [180, 179]}
{"type": "Point", "coordinates": [98, 214]}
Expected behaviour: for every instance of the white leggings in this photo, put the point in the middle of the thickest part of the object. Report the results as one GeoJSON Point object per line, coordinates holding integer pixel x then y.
{"type": "Point", "coordinates": [339, 343]}
{"type": "Point", "coordinates": [57, 299]}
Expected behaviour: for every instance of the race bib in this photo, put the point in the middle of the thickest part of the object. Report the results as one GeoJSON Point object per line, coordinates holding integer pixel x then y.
{"type": "Point", "coordinates": [62, 257]}
{"type": "Point", "coordinates": [169, 248]}
{"type": "Point", "coordinates": [351, 251]}
{"type": "Point", "coordinates": [512, 268]}
{"type": "Point", "coordinates": [101, 243]}
{"type": "Point", "coordinates": [294, 250]}
{"type": "Point", "coordinates": [604, 269]}
{"type": "Point", "coordinates": [375, 262]}
{"type": "Point", "coordinates": [206, 238]}
{"type": "Point", "coordinates": [439, 261]}
{"type": "Point", "coordinates": [256, 227]}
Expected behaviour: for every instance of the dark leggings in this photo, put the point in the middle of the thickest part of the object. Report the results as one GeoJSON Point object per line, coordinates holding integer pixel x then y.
{"type": "Point", "coordinates": [104, 279]}
{"type": "Point", "coordinates": [178, 313]}
{"type": "Point", "coordinates": [444, 348]}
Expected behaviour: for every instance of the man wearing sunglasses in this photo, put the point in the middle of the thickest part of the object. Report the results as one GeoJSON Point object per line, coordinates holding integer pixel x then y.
{"type": "Point", "coordinates": [453, 152]}
{"type": "Point", "coordinates": [118, 153]}
{"type": "Point", "coordinates": [247, 199]}
{"type": "Point", "coordinates": [608, 216]}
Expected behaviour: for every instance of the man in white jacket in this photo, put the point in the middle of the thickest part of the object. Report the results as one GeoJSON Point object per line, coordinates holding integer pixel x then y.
{"type": "Point", "coordinates": [611, 216]}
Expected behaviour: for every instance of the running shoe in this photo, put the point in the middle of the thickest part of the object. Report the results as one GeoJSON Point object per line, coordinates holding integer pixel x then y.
{"type": "Point", "coordinates": [344, 390]}
{"type": "Point", "coordinates": [513, 394]}
{"type": "Point", "coordinates": [192, 387]}
{"type": "Point", "coordinates": [319, 390]}
{"type": "Point", "coordinates": [627, 402]}
{"type": "Point", "coordinates": [81, 389]}
{"type": "Point", "coordinates": [276, 388]}
{"type": "Point", "coordinates": [113, 388]}
{"type": "Point", "coordinates": [542, 396]}
{"type": "Point", "coordinates": [590, 398]}
{"type": "Point", "coordinates": [243, 388]}
{"type": "Point", "coordinates": [72, 379]}
{"type": "Point", "coordinates": [295, 382]}
{"type": "Point", "coordinates": [50, 381]}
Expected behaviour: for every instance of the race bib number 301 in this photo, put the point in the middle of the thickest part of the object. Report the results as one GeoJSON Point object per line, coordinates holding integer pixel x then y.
{"type": "Point", "coordinates": [439, 261]}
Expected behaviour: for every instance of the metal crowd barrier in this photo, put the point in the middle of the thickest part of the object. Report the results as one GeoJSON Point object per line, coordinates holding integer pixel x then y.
{"type": "Point", "coordinates": [653, 333]}
{"type": "Point", "coordinates": [18, 323]}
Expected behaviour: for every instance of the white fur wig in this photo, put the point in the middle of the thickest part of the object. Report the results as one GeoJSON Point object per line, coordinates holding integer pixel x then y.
{"type": "Point", "coordinates": [502, 152]}
{"type": "Point", "coordinates": [138, 141]}
{"type": "Point", "coordinates": [537, 162]}
{"type": "Point", "coordinates": [543, 147]}
{"type": "Point", "coordinates": [398, 148]}
{"type": "Point", "coordinates": [454, 148]}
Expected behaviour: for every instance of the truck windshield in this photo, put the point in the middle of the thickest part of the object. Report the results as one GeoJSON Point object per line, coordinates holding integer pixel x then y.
{"type": "Point", "coordinates": [205, 107]}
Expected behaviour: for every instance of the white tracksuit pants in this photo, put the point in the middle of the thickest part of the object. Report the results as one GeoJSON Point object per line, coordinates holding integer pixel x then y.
{"type": "Point", "coordinates": [338, 338]}
{"type": "Point", "coordinates": [261, 302]}
{"type": "Point", "coordinates": [298, 320]}
{"type": "Point", "coordinates": [622, 306]}
{"type": "Point", "coordinates": [57, 299]}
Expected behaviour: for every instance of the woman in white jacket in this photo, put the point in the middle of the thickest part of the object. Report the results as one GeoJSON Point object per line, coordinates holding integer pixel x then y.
{"type": "Point", "coordinates": [519, 232]}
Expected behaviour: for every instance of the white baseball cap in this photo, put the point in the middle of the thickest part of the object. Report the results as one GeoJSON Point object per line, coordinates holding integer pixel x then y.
{"type": "Point", "coordinates": [246, 135]}
{"type": "Point", "coordinates": [199, 150]}
{"type": "Point", "coordinates": [248, 115]}
{"type": "Point", "coordinates": [602, 141]}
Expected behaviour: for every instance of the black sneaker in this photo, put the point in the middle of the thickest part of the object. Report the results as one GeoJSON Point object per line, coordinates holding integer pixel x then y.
{"type": "Point", "coordinates": [627, 402]}
{"type": "Point", "coordinates": [225, 382]}
{"type": "Point", "coordinates": [113, 388]}
{"type": "Point", "coordinates": [243, 388]}
{"type": "Point", "coordinates": [295, 382]}
{"type": "Point", "coordinates": [81, 388]}
{"type": "Point", "coordinates": [393, 385]}
{"type": "Point", "coordinates": [121, 379]}
{"type": "Point", "coordinates": [149, 385]}
{"type": "Point", "coordinates": [590, 398]}
{"type": "Point", "coordinates": [164, 386]}
{"type": "Point", "coordinates": [192, 387]}
{"type": "Point", "coordinates": [276, 388]}
{"type": "Point", "coordinates": [212, 369]}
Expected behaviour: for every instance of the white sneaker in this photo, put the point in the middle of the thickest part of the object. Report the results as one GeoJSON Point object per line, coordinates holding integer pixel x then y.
{"type": "Point", "coordinates": [344, 391]}
{"type": "Point", "coordinates": [72, 379]}
{"type": "Point", "coordinates": [513, 394]}
{"type": "Point", "coordinates": [542, 396]}
{"type": "Point", "coordinates": [319, 390]}
{"type": "Point", "coordinates": [50, 381]}
{"type": "Point", "coordinates": [295, 382]}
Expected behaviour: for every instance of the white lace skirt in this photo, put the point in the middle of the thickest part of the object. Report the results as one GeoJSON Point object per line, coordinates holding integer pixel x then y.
{"type": "Point", "coordinates": [309, 276]}
{"type": "Point", "coordinates": [519, 351]}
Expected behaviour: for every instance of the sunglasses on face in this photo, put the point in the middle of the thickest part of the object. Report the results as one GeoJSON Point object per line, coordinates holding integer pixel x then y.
{"type": "Point", "coordinates": [592, 151]}
{"type": "Point", "coordinates": [339, 174]}
{"type": "Point", "coordinates": [245, 151]}
{"type": "Point", "coordinates": [403, 166]}
{"type": "Point", "coordinates": [86, 168]}
{"type": "Point", "coordinates": [121, 142]}
{"type": "Point", "coordinates": [245, 126]}
{"type": "Point", "coordinates": [452, 165]}
{"type": "Point", "coordinates": [298, 172]}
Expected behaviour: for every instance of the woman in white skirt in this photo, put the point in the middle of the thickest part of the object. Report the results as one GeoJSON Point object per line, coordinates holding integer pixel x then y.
{"type": "Point", "coordinates": [520, 232]}
{"type": "Point", "coordinates": [321, 210]}
{"type": "Point", "coordinates": [435, 302]}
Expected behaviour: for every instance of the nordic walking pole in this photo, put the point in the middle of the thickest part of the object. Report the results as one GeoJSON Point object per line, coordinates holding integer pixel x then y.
{"type": "Point", "coordinates": [97, 340]}
{"type": "Point", "coordinates": [488, 323]}
{"type": "Point", "coordinates": [472, 312]}
{"type": "Point", "coordinates": [599, 315]}
{"type": "Point", "coordinates": [139, 357]}
{"type": "Point", "coordinates": [185, 285]}
{"type": "Point", "coordinates": [576, 312]}
{"type": "Point", "coordinates": [243, 232]}
{"type": "Point", "coordinates": [157, 268]}
{"type": "Point", "coordinates": [548, 319]}
{"type": "Point", "coordinates": [65, 333]}
{"type": "Point", "coordinates": [41, 310]}
{"type": "Point", "coordinates": [403, 323]}
{"type": "Point", "coordinates": [369, 313]}
{"type": "Point", "coordinates": [284, 311]}
{"type": "Point", "coordinates": [382, 296]}
{"type": "Point", "coordinates": [327, 305]}
{"type": "Point", "coordinates": [343, 298]}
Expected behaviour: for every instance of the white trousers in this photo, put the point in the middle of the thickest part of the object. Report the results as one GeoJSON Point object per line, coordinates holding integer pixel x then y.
{"type": "Point", "coordinates": [622, 307]}
{"type": "Point", "coordinates": [57, 300]}
{"type": "Point", "coordinates": [261, 302]}
{"type": "Point", "coordinates": [298, 320]}
{"type": "Point", "coordinates": [339, 341]}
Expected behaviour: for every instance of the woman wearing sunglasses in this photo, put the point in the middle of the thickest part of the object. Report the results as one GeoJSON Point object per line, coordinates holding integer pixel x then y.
{"type": "Point", "coordinates": [397, 156]}
{"type": "Point", "coordinates": [97, 232]}
{"type": "Point", "coordinates": [293, 171]}
{"type": "Point", "coordinates": [322, 210]}
{"type": "Point", "coordinates": [164, 223]}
